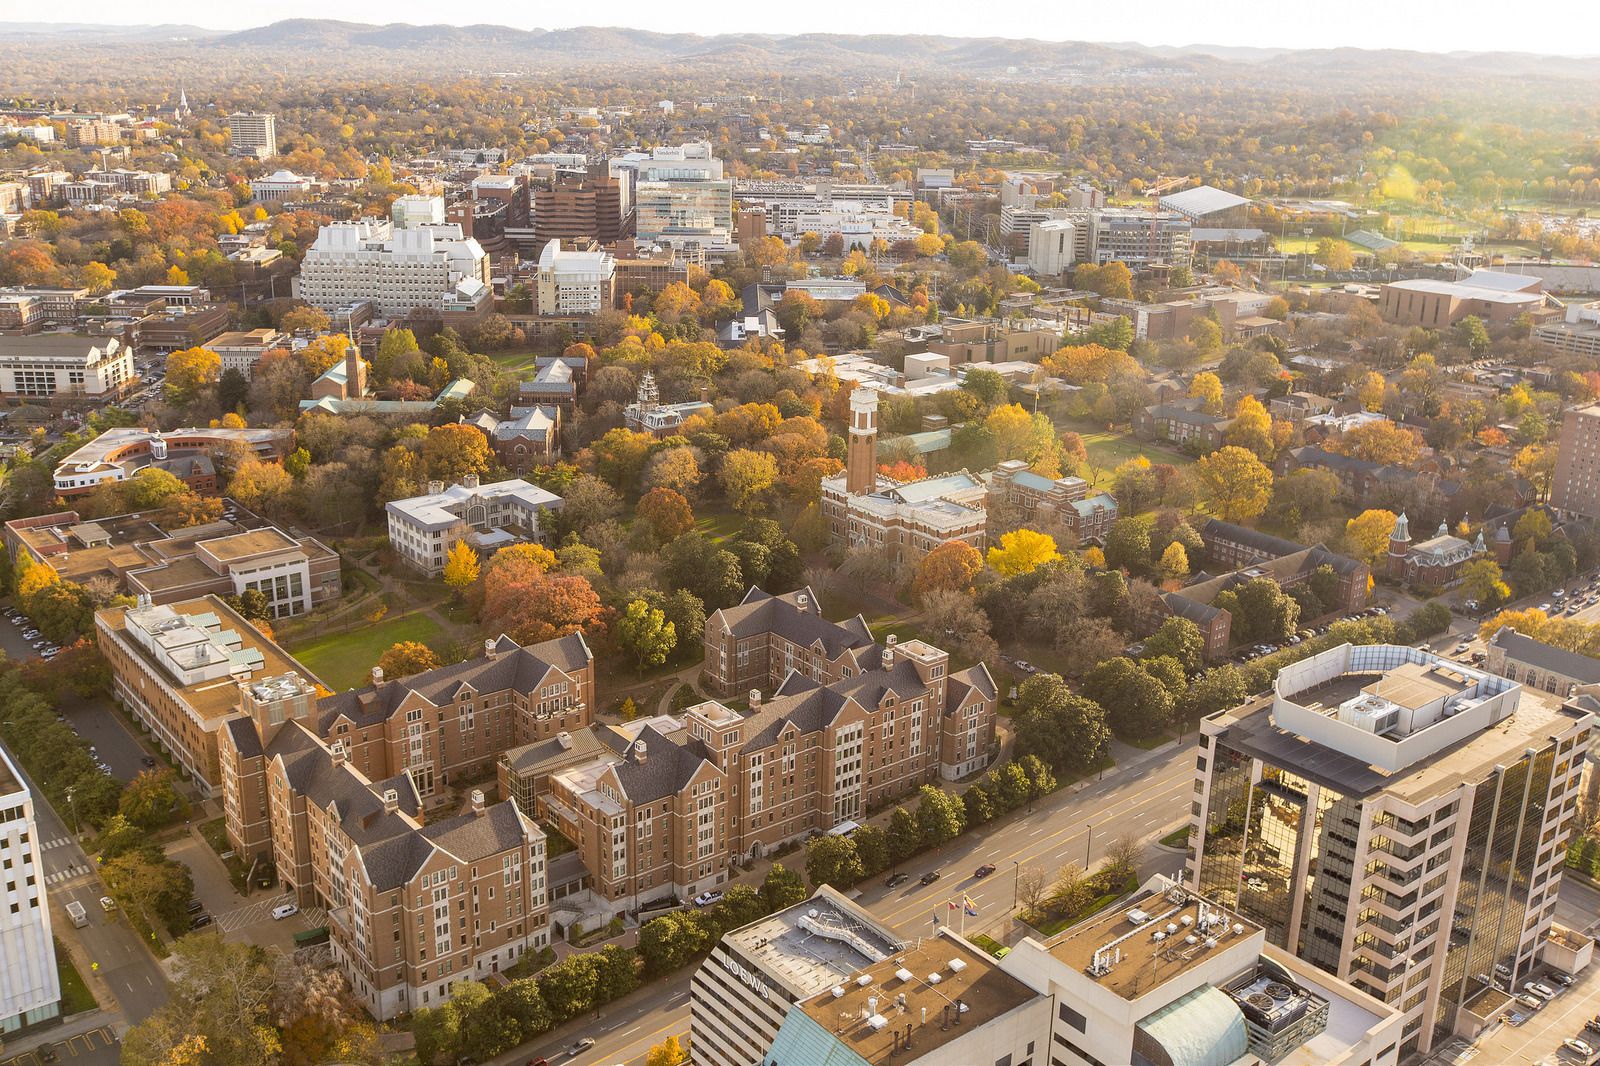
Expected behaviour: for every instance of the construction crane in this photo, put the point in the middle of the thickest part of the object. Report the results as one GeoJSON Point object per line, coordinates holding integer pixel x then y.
{"type": "Point", "coordinates": [1165, 182]}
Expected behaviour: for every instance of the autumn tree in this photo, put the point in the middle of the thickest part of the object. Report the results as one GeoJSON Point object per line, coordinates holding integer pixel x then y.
{"type": "Point", "coordinates": [665, 513]}
{"type": "Point", "coordinates": [408, 657]}
{"type": "Point", "coordinates": [189, 372]}
{"type": "Point", "coordinates": [1368, 533]}
{"type": "Point", "coordinates": [1022, 551]}
{"type": "Point", "coordinates": [1251, 428]}
{"type": "Point", "coordinates": [667, 1053]}
{"type": "Point", "coordinates": [548, 607]}
{"type": "Point", "coordinates": [304, 319]}
{"type": "Point", "coordinates": [951, 567]}
{"type": "Point", "coordinates": [748, 478]}
{"type": "Point", "coordinates": [1235, 484]}
{"type": "Point", "coordinates": [260, 486]}
{"type": "Point", "coordinates": [1378, 442]}
{"type": "Point", "coordinates": [1207, 388]}
{"type": "Point", "coordinates": [152, 800]}
{"type": "Point", "coordinates": [455, 451]}
{"type": "Point", "coordinates": [1174, 564]}
{"type": "Point", "coordinates": [1482, 580]}
{"type": "Point", "coordinates": [460, 566]}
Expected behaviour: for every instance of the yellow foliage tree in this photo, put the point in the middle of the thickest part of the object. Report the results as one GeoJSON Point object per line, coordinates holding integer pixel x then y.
{"type": "Point", "coordinates": [1370, 391]}
{"type": "Point", "coordinates": [1234, 484]}
{"type": "Point", "coordinates": [1174, 565]}
{"type": "Point", "coordinates": [1369, 533]}
{"type": "Point", "coordinates": [1251, 427]}
{"type": "Point", "coordinates": [1023, 551]}
{"type": "Point", "coordinates": [189, 370]}
{"type": "Point", "coordinates": [460, 566]}
{"type": "Point", "coordinates": [1207, 388]}
{"type": "Point", "coordinates": [667, 1053]}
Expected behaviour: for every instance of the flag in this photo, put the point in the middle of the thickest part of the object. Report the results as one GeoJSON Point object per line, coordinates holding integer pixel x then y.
{"type": "Point", "coordinates": [935, 917]}
{"type": "Point", "coordinates": [951, 904]}
{"type": "Point", "coordinates": [971, 907]}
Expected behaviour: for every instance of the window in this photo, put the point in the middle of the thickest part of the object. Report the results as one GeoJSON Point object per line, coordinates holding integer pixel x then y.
{"type": "Point", "coordinates": [1073, 1018]}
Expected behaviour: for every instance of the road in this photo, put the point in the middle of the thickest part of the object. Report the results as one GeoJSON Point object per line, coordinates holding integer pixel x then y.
{"type": "Point", "coordinates": [128, 969]}
{"type": "Point", "coordinates": [1144, 800]}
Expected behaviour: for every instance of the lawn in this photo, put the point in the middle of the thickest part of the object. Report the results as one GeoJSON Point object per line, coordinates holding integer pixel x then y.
{"type": "Point", "coordinates": [1107, 451]}
{"type": "Point", "coordinates": [344, 660]}
{"type": "Point", "coordinates": [719, 525]}
{"type": "Point", "coordinates": [515, 361]}
{"type": "Point", "coordinates": [75, 995]}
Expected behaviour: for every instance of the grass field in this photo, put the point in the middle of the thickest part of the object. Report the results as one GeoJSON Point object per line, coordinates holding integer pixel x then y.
{"type": "Point", "coordinates": [719, 525]}
{"type": "Point", "coordinates": [344, 660]}
{"type": "Point", "coordinates": [1107, 451]}
{"type": "Point", "coordinates": [514, 361]}
{"type": "Point", "coordinates": [75, 995]}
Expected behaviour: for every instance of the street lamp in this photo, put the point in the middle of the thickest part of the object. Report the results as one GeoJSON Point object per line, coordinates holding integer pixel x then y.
{"type": "Point", "coordinates": [1016, 872]}
{"type": "Point", "coordinates": [1088, 841]}
{"type": "Point", "coordinates": [74, 808]}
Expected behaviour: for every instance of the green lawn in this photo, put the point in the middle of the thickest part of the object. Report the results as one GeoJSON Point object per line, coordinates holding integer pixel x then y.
{"type": "Point", "coordinates": [719, 525]}
{"type": "Point", "coordinates": [75, 995]}
{"type": "Point", "coordinates": [1108, 451]}
{"type": "Point", "coordinates": [344, 660]}
{"type": "Point", "coordinates": [515, 361]}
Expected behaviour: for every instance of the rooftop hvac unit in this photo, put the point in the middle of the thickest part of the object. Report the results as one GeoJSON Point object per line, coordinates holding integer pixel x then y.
{"type": "Point", "coordinates": [934, 978]}
{"type": "Point", "coordinates": [957, 965]}
{"type": "Point", "coordinates": [864, 980]}
{"type": "Point", "coordinates": [904, 974]}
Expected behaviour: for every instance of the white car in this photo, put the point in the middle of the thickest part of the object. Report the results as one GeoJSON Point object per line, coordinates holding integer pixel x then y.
{"type": "Point", "coordinates": [706, 899]}
{"type": "Point", "coordinates": [1578, 1047]}
{"type": "Point", "coordinates": [285, 910]}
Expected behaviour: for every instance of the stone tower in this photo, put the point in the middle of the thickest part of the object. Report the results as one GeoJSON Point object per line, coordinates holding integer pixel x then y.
{"type": "Point", "coordinates": [861, 463]}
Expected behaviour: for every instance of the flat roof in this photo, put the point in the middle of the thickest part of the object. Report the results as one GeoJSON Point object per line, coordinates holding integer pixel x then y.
{"type": "Point", "coordinates": [816, 944]}
{"type": "Point", "coordinates": [964, 974]}
{"type": "Point", "coordinates": [1147, 962]}
{"type": "Point", "coordinates": [253, 542]}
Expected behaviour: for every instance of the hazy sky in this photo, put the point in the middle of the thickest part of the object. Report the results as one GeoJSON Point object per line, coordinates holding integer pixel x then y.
{"type": "Point", "coordinates": [1567, 27]}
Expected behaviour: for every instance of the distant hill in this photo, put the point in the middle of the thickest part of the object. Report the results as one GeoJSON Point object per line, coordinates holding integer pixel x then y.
{"type": "Point", "coordinates": [435, 46]}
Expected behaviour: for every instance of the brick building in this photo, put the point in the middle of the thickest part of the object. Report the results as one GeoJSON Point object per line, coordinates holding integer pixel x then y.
{"type": "Point", "coordinates": [1039, 502]}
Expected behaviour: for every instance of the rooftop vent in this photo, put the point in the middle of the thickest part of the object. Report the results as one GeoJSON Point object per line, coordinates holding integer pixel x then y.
{"type": "Point", "coordinates": [864, 980]}
{"type": "Point", "coordinates": [957, 965]}
{"type": "Point", "coordinates": [934, 978]}
{"type": "Point", "coordinates": [904, 974]}
{"type": "Point", "coordinates": [838, 993]}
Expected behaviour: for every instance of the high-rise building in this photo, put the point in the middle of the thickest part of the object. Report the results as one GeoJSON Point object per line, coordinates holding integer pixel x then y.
{"type": "Point", "coordinates": [572, 282]}
{"type": "Point", "coordinates": [1575, 488]}
{"type": "Point", "coordinates": [30, 990]}
{"type": "Point", "coordinates": [1396, 819]}
{"type": "Point", "coordinates": [413, 263]}
{"type": "Point", "coordinates": [253, 133]}
{"type": "Point", "coordinates": [680, 195]}
{"type": "Point", "coordinates": [592, 206]}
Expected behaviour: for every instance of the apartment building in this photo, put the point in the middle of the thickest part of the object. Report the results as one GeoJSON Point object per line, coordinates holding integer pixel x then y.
{"type": "Point", "coordinates": [169, 565]}
{"type": "Point", "coordinates": [905, 521]}
{"type": "Point", "coordinates": [763, 639]}
{"type": "Point", "coordinates": [176, 668]}
{"type": "Point", "coordinates": [423, 529]}
{"type": "Point", "coordinates": [1028, 499]}
{"type": "Point", "coordinates": [1171, 976]}
{"type": "Point", "coordinates": [414, 903]}
{"type": "Point", "coordinates": [414, 262]}
{"type": "Point", "coordinates": [63, 367]}
{"type": "Point", "coordinates": [30, 989]}
{"type": "Point", "coordinates": [571, 282]}
{"type": "Point", "coordinates": [93, 133]}
{"type": "Point", "coordinates": [740, 995]}
{"type": "Point", "coordinates": [1134, 236]}
{"type": "Point", "coordinates": [118, 454]}
{"type": "Point", "coordinates": [31, 309]}
{"type": "Point", "coordinates": [1397, 820]}
{"type": "Point", "coordinates": [670, 802]}
{"type": "Point", "coordinates": [1575, 488]}
{"type": "Point", "coordinates": [253, 133]}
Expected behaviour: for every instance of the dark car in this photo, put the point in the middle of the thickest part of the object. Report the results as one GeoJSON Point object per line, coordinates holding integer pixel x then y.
{"type": "Point", "coordinates": [930, 877]}
{"type": "Point", "coordinates": [895, 880]}
{"type": "Point", "coordinates": [148, 760]}
{"type": "Point", "coordinates": [540, 1061]}
{"type": "Point", "coordinates": [984, 871]}
{"type": "Point", "coordinates": [195, 906]}
{"type": "Point", "coordinates": [200, 920]}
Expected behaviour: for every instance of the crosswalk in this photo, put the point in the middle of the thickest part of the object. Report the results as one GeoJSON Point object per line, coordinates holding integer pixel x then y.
{"type": "Point", "coordinates": [58, 842]}
{"type": "Point", "coordinates": [77, 869]}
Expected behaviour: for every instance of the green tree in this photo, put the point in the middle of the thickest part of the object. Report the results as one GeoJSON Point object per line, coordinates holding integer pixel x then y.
{"type": "Point", "coordinates": [152, 890]}
{"type": "Point", "coordinates": [1065, 731]}
{"type": "Point", "coordinates": [940, 815]}
{"type": "Point", "coordinates": [645, 633]}
{"type": "Point", "coordinates": [1142, 706]}
{"type": "Point", "coordinates": [1179, 638]}
{"type": "Point", "coordinates": [832, 860]}
{"type": "Point", "coordinates": [782, 888]}
{"type": "Point", "coordinates": [666, 944]}
{"type": "Point", "coordinates": [1483, 581]}
{"type": "Point", "coordinates": [1471, 334]}
{"type": "Point", "coordinates": [872, 848]}
{"type": "Point", "coordinates": [152, 800]}
{"type": "Point", "coordinates": [905, 839]}
{"type": "Point", "coordinates": [1128, 545]}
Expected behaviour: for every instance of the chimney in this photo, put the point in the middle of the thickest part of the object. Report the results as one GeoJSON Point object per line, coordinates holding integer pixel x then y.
{"type": "Point", "coordinates": [489, 648]}
{"type": "Point", "coordinates": [338, 755]}
{"type": "Point", "coordinates": [435, 487]}
{"type": "Point", "coordinates": [888, 651]}
{"type": "Point", "coordinates": [477, 801]}
{"type": "Point", "coordinates": [640, 753]}
{"type": "Point", "coordinates": [377, 675]}
{"type": "Point", "coordinates": [755, 699]}
{"type": "Point", "coordinates": [564, 739]}
{"type": "Point", "coordinates": [391, 801]}
{"type": "Point", "coordinates": [470, 481]}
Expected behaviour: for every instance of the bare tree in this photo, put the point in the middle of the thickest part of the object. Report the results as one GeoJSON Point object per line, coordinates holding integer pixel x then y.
{"type": "Point", "coordinates": [1071, 890]}
{"type": "Point", "coordinates": [1031, 883]}
{"type": "Point", "coordinates": [1122, 858]}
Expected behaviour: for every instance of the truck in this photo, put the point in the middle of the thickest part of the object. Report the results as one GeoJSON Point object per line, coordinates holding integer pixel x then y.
{"type": "Point", "coordinates": [76, 912]}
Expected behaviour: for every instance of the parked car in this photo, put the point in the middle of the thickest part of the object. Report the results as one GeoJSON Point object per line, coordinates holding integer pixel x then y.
{"type": "Point", "coordinates": [1593, 1024]}
{"type": "Point", "coordinates": [147, 760]}
{"type": "Point", "coordinates": [984, 871]}
{"type": "Point", "coordinates": [540, 1061]}
{"type": "Point", "coordinates": [1579, 1047]}
{"type": "Point", "coordinates": [930, 877]}
{"type": "Point", "coordinates": [107, 904]}
{"type": "Point", "coordinates": [896, 880]}
{"type": "Point", "coordinates": [285, 910]}
{"type": "Point", "coordinates": [706, 899]}
{"type": "Point", "coordinates": [1562, 979]}
{"type": "Point", "coordinates": [1540, 989]}
{"type": "Point", "coordinates": [200, 920]}
{"type": "Point", "coordinates": [1531, 1002]}
{"type": "Point", "coordinates": [194, 906]}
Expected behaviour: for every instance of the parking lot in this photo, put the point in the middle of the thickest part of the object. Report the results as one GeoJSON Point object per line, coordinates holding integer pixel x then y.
{"type": "Point", "coordinates": [1538, 1039]}
{"type": "Point", "coordinates": [98, 1047]}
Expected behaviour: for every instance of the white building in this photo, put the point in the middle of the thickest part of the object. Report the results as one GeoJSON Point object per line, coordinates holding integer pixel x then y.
{"type": "Point", "coordinates": [1135, 236]}
{"type": "Point", "coordinates": [30, 990]}
{"type": "Point", "coordinates": [283, 185]}
{"type": "Point", "coordinates": [400, 266]}
{"type": "Point", "coordinates": [423, 529]}
{"type": "Point", "coordinates": [574, 283]}
{"type": "Point", "coordinates": [49, 366]}
{"type": "Point", "coordinates": [680, 195]}
{"type": "Point", "coordinates": [739, 997]}
{"type": "Point", "coordinates": [1169, 977]}
{"type": "Point", "coordinates": [253, 133]}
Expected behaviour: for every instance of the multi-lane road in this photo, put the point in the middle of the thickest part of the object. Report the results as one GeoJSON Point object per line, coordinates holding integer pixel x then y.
{"type": "Point", "coordinates": [1144, 799]}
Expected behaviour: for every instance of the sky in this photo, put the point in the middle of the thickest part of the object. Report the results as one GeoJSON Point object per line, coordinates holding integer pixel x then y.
{"type": "Point", "coordinates": [1563, 27]}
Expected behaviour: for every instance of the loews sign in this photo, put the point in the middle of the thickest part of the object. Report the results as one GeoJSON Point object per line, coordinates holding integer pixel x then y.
{"type": "Point", "coordinates": [752, 980]}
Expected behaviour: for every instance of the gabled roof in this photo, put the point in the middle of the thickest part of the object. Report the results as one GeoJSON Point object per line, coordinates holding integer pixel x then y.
{"type": "Point", "coordinates": [800, 700]}
{"type": "Point", "coordinates": [663, 770]}
{"type": "Point", "coordinates": [324, 783]}
{"type": "Point", "coordinates": [512, 667]}
{"type": "Point", "coordinates": [793, 618]}
{"type": "Point", "coordinates": [1254, 539]}
{"type": "Point", "coordinates": [1581, 668]}
{"type": "Point", "coordinates": [963, 682]}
